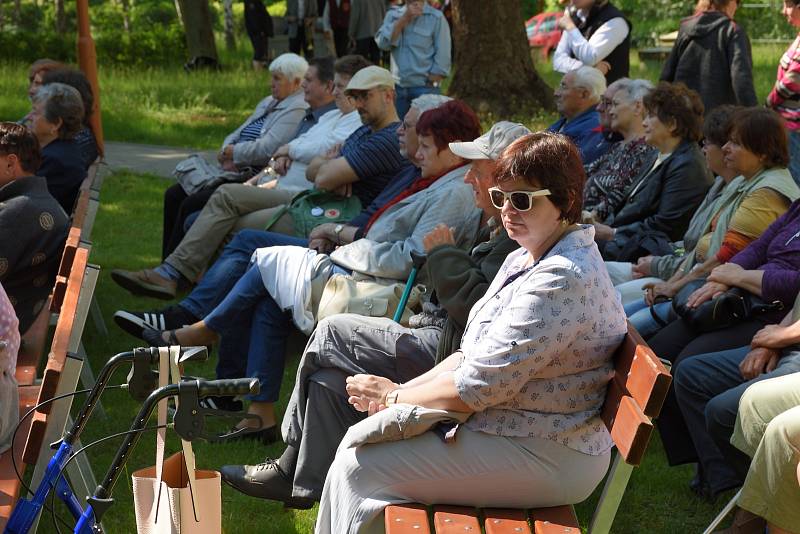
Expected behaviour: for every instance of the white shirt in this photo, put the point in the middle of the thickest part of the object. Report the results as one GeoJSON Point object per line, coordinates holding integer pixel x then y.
{"type": "Point", "coordinates": [574, 50]}
{"type": "Point", "coordinates": [331, 129]}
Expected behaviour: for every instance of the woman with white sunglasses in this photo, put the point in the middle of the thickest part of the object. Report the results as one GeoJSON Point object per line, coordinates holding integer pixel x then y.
{"type": "Point", "coordinates": [531, 372]}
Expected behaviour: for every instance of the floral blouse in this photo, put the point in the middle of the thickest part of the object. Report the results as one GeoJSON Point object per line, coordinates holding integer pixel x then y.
{"type": "Point", "coordinates": [9, 335]}
{"type": "Point", "coordinates": [538, 347]}
{"type": "Point", "coordinates": [609, 175]}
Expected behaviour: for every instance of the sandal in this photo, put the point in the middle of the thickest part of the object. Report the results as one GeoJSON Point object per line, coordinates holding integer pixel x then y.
{"type": "Point", "coordinates": [156, 338]}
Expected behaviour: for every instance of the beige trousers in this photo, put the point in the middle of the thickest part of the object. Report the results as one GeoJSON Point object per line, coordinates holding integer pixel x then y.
{"type": "Point", "coordinates": [478, 469]}
{"type": "Point", "coordinates": [231, 208]}
{"type": "Point", "coordinates": [768, 429]}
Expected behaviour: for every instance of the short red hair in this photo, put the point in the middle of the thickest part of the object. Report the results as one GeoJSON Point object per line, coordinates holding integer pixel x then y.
{"type": "Point", "coordinates": [452, 121]}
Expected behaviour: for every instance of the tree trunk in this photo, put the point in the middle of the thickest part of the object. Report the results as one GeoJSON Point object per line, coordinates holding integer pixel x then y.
{"type": "Point", "coordinates": [230, 39]}
{"type": "Point", "coordinates": [196, 18]}
{"type": "Point", "coordinates": [126, 15]}
{"type": "Point", "coordinates": [493, 68]}
{"type": "Point", "coordinates": [61, 18]}
{"type": "Point", "coordinates": [17, 11]}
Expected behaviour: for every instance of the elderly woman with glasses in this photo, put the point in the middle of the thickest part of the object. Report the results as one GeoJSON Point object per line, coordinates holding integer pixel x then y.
{"type": "Point", "coordinates": [531, 372]}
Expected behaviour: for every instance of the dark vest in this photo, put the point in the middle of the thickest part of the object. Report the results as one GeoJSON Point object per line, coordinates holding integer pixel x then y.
{"type": "Point", "coordinates": [339, 15]}
{"type": "Point", "coordinates": [620, 58]}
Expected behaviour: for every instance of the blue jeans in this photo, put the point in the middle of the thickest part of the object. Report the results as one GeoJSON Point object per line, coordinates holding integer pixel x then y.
{"type": "Point", "coordinates": [708, 388]}
{"type": "Point", "coordinates": [794, 154]}
{"type": "Point", "coordinates": [230, 266]}
{"type": "Point", "coordinates": [253, 331]}
{"type": "Point", "coordinates": [641, 318]}
{"type": "Point", "coordinates": [406, 95]}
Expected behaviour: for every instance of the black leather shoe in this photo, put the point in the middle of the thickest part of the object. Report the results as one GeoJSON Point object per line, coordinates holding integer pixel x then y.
{"type": "Point", "coordinates": [265, 481]}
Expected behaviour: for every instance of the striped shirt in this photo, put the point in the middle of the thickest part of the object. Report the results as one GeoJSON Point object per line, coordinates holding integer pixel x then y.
{"type": "Point", "coordinates": [375, 158]}
{"type": "Point", "coordinates": [785, 95]}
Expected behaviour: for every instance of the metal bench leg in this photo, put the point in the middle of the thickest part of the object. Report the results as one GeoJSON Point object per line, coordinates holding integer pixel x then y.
{"type": "Point", "coordinates": [97, 317]}
{"type": "Point", "coordinates": [613, 490]}
{"type": "Point", "coordinates": [723, 514]}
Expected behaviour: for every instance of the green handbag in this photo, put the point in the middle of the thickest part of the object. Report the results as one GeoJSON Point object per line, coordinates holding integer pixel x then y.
{"type": "Point", "coordinates": [313, 207]}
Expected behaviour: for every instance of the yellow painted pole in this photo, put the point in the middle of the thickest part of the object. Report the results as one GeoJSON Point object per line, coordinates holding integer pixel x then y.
{"type": "Point", "coordinates": [87, 61]}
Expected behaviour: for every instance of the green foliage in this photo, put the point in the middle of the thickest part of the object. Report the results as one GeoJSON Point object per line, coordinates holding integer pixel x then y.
{"type": "Point", "coordinates": [651, 18]}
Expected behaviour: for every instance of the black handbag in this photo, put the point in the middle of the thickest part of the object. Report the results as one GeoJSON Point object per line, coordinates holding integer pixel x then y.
{"type": "Point", "coordinates": [728, 309]}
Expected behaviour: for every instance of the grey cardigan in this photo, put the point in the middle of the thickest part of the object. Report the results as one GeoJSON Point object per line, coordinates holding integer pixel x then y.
{"type": "Point", "coordinates": [278, 129]}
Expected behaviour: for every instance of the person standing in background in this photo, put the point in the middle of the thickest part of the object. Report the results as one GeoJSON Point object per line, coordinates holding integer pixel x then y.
{"type": "Point", "coordinates": [335, 23]}
{"type": "Point", "coordinates": [258, 23]}
{"type": "Point", "coordinates": [300, 17]}
{"type": "Point", "coordinates": [712, 43]}
{"type": "Point", "coordinates": [596, 34]}
{"type": "Point", "coordinates": [418, 38]}
{"type": "Point", "coordinates": [785, 95]}
{"type": "Point", "coordinates": [366, 17]}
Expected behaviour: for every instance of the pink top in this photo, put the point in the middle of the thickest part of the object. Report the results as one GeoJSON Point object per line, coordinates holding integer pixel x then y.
{"type": "Point", "coordinates": [9, 334]}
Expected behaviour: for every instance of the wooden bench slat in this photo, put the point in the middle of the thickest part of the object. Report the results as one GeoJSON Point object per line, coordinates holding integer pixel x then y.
{"type": "Point", "coordinates": [555, 520]}
{"type": "Point", "coordinates": [505, 521]}
{"type": "Point", "coordinates": [9, 483]}
{"type": "Point", "coordinates": [406, 519]}
{"type": "Point", "coordinates": [631, 431]}
{"type": "Point", "coordinates": [645, 377]}
{"type": "Point", "coordinates": [455, 520]}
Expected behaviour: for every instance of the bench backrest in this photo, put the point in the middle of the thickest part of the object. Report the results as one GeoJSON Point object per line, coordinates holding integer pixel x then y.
{"type": "Point", "coordinates": [58, 353]}
{"type": "Point", "coordinates": [635, 395]}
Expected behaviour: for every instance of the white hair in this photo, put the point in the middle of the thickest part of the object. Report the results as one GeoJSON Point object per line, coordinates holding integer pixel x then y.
{"type": "Point", "coordinates": [429, 101]}
{"type": "Point", "coordinates": [637, 89]}
{"type": "Point", "coordinates": [591, 79]}
{"type": "Point", "coordinates": [290, 65]}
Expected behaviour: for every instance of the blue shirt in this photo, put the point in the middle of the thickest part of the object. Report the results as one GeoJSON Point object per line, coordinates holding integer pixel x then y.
{"type": "Point", "coordinates": [585, 132]}
{"type": "Point", "coordinates": [423, 47]}
{"type": "Point", "coordinates": [375, 158]}
{"type": "Point", "coordinates": [312, 117]}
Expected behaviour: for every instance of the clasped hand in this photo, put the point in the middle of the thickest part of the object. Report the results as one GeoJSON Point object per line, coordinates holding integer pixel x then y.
{"type": "Point", "coordinates": [367, 393]}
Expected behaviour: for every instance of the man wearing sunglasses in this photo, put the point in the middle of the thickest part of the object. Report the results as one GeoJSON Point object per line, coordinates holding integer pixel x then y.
{"type": "Point", "coordinates": [318, 414]}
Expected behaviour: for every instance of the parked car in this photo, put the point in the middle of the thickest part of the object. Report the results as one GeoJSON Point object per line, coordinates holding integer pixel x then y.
{"type": "Point", "coordinates": [543, 31]}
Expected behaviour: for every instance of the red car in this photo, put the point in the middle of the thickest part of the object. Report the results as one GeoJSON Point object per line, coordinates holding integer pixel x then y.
{"type": "Point", "coordinates": [543, 31]}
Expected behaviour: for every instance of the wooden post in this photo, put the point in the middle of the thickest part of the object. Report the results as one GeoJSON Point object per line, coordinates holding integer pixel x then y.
{"type": "Point", "coordinates": [87, 61]}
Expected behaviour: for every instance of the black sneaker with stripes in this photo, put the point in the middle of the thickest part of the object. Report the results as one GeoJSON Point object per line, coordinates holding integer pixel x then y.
{"type": "Point", "coordinates": [169, 318]}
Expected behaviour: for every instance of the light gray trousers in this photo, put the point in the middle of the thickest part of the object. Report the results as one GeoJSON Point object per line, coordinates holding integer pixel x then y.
{"type": "Point", "coordinates": [318, 414]}
{"type": "Point", "coordinates": [478, 469]}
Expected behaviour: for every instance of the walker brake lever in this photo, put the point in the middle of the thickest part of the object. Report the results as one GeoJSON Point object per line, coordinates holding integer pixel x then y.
{"type": "Point", "coordinates": [190, 417]}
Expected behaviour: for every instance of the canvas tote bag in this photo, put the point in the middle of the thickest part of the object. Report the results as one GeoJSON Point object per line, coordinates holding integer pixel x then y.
{"type": "Point", "coordinates": [173, 497]}
{"type": "Point", "coordinates": [347, 294]}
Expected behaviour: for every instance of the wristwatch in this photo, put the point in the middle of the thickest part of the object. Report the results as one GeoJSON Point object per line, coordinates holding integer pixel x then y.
{"type": "Point", "coordinates": [338, 230]}
{"type": "Point", "coordinates": [391, 397]}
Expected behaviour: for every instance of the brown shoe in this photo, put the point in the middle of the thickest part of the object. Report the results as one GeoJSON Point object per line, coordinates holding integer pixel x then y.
{"type": "Point", "coordinates": [745, 522]}
{"type": "Point", "coordinates": [146, 283]}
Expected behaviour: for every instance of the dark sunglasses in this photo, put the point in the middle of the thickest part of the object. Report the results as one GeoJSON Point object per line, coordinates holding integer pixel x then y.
{"type": "Point", "coordinates": [520, 200]}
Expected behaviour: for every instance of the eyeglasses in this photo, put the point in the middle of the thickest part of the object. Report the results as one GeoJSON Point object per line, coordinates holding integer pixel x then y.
{"type": "Point", "coordinates": [360, 96]}
{"type": "Point", "coordinates": [520, 200]}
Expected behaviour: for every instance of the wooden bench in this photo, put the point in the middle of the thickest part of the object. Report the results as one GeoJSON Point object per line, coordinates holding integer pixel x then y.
{"type": "Point", "coordinates": [31, 447]}
{"type": "Point", "coordinates": [635, 396]}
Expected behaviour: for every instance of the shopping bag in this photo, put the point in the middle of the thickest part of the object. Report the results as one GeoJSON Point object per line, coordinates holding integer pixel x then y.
{"type": "Point", "coordinates": [173, 497]}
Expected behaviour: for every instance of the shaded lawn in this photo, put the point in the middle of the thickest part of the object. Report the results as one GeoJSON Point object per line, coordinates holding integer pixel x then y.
{"type": "Point", "coordinates": [127, 235]}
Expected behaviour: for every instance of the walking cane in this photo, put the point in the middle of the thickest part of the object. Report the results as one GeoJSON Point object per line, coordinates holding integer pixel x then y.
{"type": "Point", "coordinates": [417, 261]}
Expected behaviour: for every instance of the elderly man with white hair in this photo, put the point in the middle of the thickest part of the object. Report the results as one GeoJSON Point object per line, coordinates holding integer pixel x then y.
{"type": "Point", "coordinates": [577, 97]}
